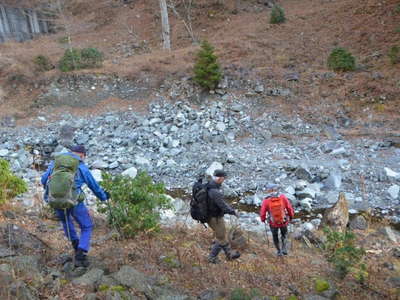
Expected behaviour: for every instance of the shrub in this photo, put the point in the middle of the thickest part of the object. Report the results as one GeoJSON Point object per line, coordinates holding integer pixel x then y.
{"type": "Point", "coordinates": [341, 251]}
{"type": "Point", "coordinates": [394, 54]}
{"type": "Point", "coordinates": [244, 294]}
{"type": "Point", "coordinates": [135, 203]}
{"type": "Point", "coordinates": [91, 58]}
{"type": "Point", "coordinates": [341, 60]}
{"type": "Point", "coordinates": [321, 285]}
{"type": "Point", "coordinates": [206, 69]}
{"type": "Point", "coordinates": [240, 294]}
{"type": "Point", "coordinates": [277, 15]}
{"type": "Point", "coordinates": [70, 61]}
{"type": "Point", "coordinates": [10, 185]}
{"type": "Point", "coordinates": [43, 63]}
{"type": "Point", "coordinates": [75, 59]}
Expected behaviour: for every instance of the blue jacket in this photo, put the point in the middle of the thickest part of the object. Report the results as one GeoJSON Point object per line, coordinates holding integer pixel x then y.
{"type": "Point", "coordinates": [82, 176]}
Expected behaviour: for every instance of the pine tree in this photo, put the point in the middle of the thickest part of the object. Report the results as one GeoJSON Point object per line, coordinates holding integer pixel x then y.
{"type": "Point", "coordinates": [206, 69]}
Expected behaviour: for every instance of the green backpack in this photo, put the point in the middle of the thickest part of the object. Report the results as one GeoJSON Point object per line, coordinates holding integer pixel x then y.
{"type": "Point", "coordinates": [62, 190]}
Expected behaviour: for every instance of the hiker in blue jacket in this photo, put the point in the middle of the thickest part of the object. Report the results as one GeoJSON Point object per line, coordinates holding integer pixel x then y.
{"type": "Point", "coordinates": [79, 212]}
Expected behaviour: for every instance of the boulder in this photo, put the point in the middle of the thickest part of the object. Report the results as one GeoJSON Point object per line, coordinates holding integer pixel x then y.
{"type": "Point", "coordinates": [96, 175]}
{"type": "Point", "coordinates": [337, 216]}
{"type": "Point", "coordinates": [6, 252]}
{"type": "Point", "coordinates": [390, 173]}
{"type": "Point", "coordinates": [131, 172]}
{"type": "Point", "coordinates": [306, 204]}
{"type": "Point", "coordinates": [220, 126]}
{"type": "Point", "coordinates": [89, 279]}
{"type": "Point", "coordinates": [130, 277]}
{"type": "Point", "coordinates": [334, 181]}
{"type": "Point", "coordinates": [303, 174]}
{"type": "Point", "coordinates": [99, 164]}
{"type": "Point", "coordinates": [392, 235]}
{"type": "Point", "coordinates": [212, 295]}
{"type": "Point", "coordinates": [11, 288]}
{"type": "Point", "coordinates": [142, 161]}
{"type": "Point", "coordinates": [3, 152]}
{"type": "Point", "coordinates": [20, 239]}
{"type": "Point", "coordinates": [306, 193]}
{"type": "Point", "coordinates": [393, 191]}
{"type": "Point", "coordinates": [359, 223]}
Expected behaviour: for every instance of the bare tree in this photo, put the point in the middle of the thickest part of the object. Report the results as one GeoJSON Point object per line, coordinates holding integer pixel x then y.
{"type": "Point", "coordinates": [237, 6]}
{"type": "Point", "coordinates": [165, 25]}
{"type": "Point", "coordinates": [187, 17]}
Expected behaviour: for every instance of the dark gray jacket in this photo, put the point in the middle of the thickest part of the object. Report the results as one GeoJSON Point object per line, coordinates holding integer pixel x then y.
{"type": "Point", "coordinates": [217, 207]}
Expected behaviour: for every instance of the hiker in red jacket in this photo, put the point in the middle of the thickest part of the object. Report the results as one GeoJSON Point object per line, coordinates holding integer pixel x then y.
{"type": "Point", "coordinates": [280, 213]}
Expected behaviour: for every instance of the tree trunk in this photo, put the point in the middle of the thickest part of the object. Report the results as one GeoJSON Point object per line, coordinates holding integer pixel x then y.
{"type": "Point", "coordinates": [165, 25]}
{"type": "Point", "coordinates": [237, 6]}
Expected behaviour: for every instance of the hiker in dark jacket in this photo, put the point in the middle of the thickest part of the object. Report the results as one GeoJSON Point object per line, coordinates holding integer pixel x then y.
{"type": "Point", "coordinates": [217, 208]}
{"type": "Point", "coordinates": [287, 214]}
{"type": "Point", "coordinates": [79, 212]}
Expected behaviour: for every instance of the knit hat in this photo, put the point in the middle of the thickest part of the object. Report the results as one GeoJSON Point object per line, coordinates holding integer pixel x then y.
{"type": "Point", "coordinates": [219, 173]}
{"type": "Point", "coordinates": [79, 149]}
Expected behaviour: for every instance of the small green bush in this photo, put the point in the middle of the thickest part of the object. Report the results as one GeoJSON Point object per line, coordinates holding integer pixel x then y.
{"type": "Point", "coordinates": [245, 294]}
{"type": "Point", "coordinates": [342, 252]}
{"type": "Point", "coordinates": [206, 69]}
{"type": "Point", "coordinates": [321, 285]}
{"type": "Point", "coordinates": [118, 288]}
{"type": "Point", "coordinates": [43, 63]}
{"type": "Point", "coordinates": [341, 60]}
{"type": "Point", "coordinates": [91, 58]}
{"type": "Point", "coordinates": [136, 203]}
{"type": "Point", "coordinates": [277, 15]}
{"type": "Point", "coordinates": [240, 294]}
{"type": "Point", "coordinates": [394, 55]}
{"type": "Point", "coordinates": [397, 9]}
{"type": "Point", "coordinates": [10, 185]}
{"type": "Point", "coordinates": [76, 59]}
{"type": "Point", "coordinates": [70, 61]}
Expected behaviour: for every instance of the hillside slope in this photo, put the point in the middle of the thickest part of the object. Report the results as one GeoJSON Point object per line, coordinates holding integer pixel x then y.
{"type": "Point", "coordinates": [248, 47]}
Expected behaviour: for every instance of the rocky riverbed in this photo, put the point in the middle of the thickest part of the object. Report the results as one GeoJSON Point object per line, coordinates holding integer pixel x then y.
{"type": "Point", "coordinates": [175, 142]}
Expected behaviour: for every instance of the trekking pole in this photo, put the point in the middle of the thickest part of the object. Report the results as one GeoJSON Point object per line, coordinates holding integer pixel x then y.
{"type": "Point", "coordinates": [266, 234]}
{"type": "Point", "coordinates": [112, 218]}
{"type": "Point", "coordinates": [68, 232]}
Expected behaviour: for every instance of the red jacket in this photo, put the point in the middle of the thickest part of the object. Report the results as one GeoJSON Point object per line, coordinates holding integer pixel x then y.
{"type": "Point", "coordinates": [265, 207]}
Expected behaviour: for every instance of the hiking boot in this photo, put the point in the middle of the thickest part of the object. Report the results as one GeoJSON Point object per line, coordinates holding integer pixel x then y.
{"type": "Point", "coordinates": [229, 253]}
{"type": "Point", "coordinates": [279, 253]}
{"type": "Point", "coordinates": [81, 259]}
{"type": "Point", "coordinates": [75, 244]}
{"type": "Point", "coordinates": [213, 257]}
{"type": "Point", "coordinates": [284, 247]}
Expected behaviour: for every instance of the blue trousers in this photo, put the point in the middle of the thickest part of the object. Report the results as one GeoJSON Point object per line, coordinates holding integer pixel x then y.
{"type": "Point", "coordinates": [81, 215]}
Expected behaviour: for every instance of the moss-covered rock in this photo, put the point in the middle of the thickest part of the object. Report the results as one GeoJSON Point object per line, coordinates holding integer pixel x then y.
{"type": "Point", "coordinates": [321, 285]}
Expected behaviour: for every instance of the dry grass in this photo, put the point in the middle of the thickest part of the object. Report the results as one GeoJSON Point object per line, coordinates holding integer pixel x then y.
{"type": "Point", "coordinates": [245, 40]}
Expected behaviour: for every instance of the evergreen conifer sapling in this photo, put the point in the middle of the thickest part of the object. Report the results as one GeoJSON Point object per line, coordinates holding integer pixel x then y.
{"type": "Point", "coordinates": [207, 70]}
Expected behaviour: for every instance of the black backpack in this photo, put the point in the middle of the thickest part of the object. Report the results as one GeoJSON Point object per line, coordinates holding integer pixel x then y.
{"type": "Point", "coordinates": [199, 202]}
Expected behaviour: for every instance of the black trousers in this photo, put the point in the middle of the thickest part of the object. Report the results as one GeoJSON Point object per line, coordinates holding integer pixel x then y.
{"type": "Point", "coordinates": [275, 233]}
